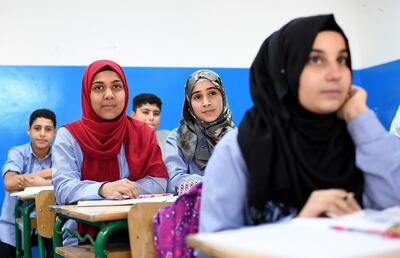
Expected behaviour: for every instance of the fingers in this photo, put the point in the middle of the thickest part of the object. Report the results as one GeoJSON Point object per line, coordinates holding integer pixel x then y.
{"type": "Point", "coordinates": [333, 201]}
{"type": "Point", "coordinates": [130, 188]}
{"type": "Point", "coordinates": [125, 193]}
{"type": "Point", "coordinates": [27, 180]}
{"type": "Point", "coordinates": [342, 203]}
{"type": "Point", "coordinates": [119, 190]}
{"type": "Point", "coordinates": [340, 207]}
{"type": "Point", "coordinates": [21, 181]}
{"type": "Point", "coordinates": [352, 202]}
{"type": "Point", "coordinates": [33, 180]}
{"type": "Point", "coordinates": [358, 92]}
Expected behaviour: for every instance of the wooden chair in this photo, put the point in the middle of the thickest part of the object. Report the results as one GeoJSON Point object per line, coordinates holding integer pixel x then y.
{"type": "Point", "coordinates": [44, 217]}
{"type": "Point", "coordinates": [113, 250]}
{"type": "Point", "coordinates": [21, 223]}
{"type": "Point", "coordinates": [141, 234]}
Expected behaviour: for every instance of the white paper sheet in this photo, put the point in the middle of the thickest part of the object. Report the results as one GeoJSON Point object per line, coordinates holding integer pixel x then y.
{"type": "Point", "coordinates": [32, 190]}
{"type": "Point", "coordinates": [170, 198]}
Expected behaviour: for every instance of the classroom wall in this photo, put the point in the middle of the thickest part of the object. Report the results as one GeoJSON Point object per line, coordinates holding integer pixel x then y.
{"type": "Point", "coordinates": [46, 44]}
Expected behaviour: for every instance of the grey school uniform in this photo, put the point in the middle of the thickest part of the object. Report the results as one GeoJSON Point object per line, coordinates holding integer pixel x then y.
{"type": "Point", "coordinates": [179, 170]}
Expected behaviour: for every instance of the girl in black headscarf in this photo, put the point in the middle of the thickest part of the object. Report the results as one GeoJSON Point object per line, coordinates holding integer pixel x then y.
{"type": "Point", "coordinates": [292, 155]}
{"type": "Point", "coordinates": [299, 147]}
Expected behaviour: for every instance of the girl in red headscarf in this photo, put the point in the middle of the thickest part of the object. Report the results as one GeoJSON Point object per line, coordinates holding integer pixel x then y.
{"type": "Point", "coordinates": [106, 154]}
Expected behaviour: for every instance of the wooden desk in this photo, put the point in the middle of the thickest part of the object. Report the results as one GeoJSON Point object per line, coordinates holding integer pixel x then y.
{"type": "Point", "coordinates": [108, 218]}
{"type": "Point", "coordinates": [23, 209]}
{"type": "Point", "coordinates": [218, 251]}
{"type": "Point", "coordinates": [286, 240]}
{"type": "Point", "coordinates": [93, 213]}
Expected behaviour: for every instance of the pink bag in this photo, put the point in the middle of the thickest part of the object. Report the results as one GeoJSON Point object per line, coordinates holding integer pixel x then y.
{"type": "Point", "coordinates": [173, 223]}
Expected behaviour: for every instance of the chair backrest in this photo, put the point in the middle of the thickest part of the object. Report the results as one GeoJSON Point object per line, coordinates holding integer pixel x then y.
{"type": "Point", "coordinates": [140, 222]}
{"type": "Point", "coordinates": [45, 217]}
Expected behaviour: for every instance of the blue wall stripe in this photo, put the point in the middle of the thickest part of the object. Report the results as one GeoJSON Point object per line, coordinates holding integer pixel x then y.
{"type": "Point", "coordinates": [25, 88]}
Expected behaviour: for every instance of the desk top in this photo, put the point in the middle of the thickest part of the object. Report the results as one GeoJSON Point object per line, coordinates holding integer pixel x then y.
{"type": "Point", "coordinates": [93, 214]}
{"type": "Point", "coordinates": [300, 238]}
{"type": "Point", "coordinates": [217, 250]}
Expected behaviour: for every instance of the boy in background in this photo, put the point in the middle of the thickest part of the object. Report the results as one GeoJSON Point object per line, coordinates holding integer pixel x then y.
{"type": "Point", "coordinates": [26, 165]}
{"type": "Point", "coordinates": [147, 109]}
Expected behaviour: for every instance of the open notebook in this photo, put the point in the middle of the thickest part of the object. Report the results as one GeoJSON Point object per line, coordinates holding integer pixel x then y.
{"type": "Point", "coordinates": [166, 198]}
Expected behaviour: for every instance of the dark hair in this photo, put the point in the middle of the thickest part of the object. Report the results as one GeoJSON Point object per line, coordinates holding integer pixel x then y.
{"type": "Point", "coordinates": [45, 113]}
{"type": "Point", "coordinates": [146, 98]}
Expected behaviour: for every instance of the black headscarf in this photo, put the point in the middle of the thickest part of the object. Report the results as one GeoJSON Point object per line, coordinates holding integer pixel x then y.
{"type": "Point", "coordinates": [289, 151]}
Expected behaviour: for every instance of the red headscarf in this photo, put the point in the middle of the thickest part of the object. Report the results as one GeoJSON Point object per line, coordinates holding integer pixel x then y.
{"type": "Point", "coordinates": [101, 140]}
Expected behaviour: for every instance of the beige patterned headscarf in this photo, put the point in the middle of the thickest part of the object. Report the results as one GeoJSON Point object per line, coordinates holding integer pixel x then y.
{"type": "Point", "coordinates": [197, 138]}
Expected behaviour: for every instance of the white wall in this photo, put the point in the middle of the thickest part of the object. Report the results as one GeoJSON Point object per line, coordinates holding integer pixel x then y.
{"type": "Point", "coordinates": [183, 33]}
{"type": "Point", "coordinates": [375, 36]}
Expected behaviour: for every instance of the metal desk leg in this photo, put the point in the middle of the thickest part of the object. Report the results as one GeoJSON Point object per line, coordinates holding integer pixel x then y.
{"type": "Point", "coordinates": [57, 234]}
{"type": "Point", "coordinates": [18, 244]}
{"type": "Point", "coordinates": [102, 237]}
{"type": "Point", "coordinates": [41, 249]}
{"type": "Point", "coordinates": [26, 216]}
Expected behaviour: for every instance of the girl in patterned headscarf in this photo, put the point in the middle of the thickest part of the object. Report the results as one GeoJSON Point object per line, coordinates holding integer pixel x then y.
{"type": "Point", "coordinates": [206, 117]}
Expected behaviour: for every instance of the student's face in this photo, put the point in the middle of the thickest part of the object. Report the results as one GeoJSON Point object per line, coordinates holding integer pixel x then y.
{"type": "Point", "coordinates": [149, 114]}
{"type": "Point", "coordinates": [206, 101]}
{"type": "Point", "coordinates": [41, 133]}
{"type": "Point", "coordinates": [107, 95]}
{"type": "Point", "coordinates": [326, 79]}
